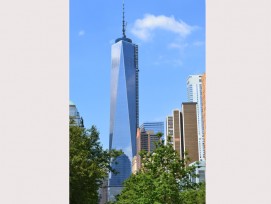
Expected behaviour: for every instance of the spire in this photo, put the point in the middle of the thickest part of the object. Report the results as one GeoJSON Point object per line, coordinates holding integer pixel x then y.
{"type": "Point", "coordinates": [124, 38]}
{"type": "Point", "coordinates": [123, 20]}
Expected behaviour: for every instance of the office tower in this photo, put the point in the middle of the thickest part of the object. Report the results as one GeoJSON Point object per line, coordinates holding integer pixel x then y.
{"type": "Point", "coordinates": [203, 78]}
{"type": "Point", "coordinates": [177, 131]}
{"type": "Point", "coordinates": [169, 128]}
{"type": "Point", "coordinates": [145, 140]}
{"type": "Point", "coordinates": [74, 115]}
{"type": "Point", "coordinates": [153, 126]}
{"type": "Point", "coordinates": [194, 93]}
{"type": "Point", "coordinates": [189, 130]}
{"type": "Point", "coordinates": [123, 108]}
{"type": "Point", "coordinates": [142, 140]}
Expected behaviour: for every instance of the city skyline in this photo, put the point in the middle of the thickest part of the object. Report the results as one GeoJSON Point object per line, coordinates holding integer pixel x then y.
{"type": "Point", "coordinates": [169, 52]}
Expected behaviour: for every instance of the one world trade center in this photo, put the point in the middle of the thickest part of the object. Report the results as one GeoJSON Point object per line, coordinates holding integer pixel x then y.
{"type": "Point", "coordinates": [124, 111]}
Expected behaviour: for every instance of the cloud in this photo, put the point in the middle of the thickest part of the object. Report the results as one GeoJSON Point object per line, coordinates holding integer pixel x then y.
{"type": "Point", "coordinates": [81, 33]}
{"type": "Point", "coordinates": [142, 27]}
{"type": "Point", "coordinates": [175, 45]}
{"type": "Point", "coordinates": [164, 60]}
{"type": "Point", "coordinates": [198, 43]}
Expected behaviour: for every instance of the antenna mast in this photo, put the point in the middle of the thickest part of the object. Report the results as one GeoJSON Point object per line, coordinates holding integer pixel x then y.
{"type": "Point", "coordinates": [123, 21]}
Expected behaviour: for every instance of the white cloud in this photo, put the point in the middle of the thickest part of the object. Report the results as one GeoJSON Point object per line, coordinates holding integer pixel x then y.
{"type": "Point", "coordinates": [142, 27]}
{"type": "Point", "coordinates": [81, 33]}
{"type": "Point", "coordinates": [198, 43]}
{"type": "Point", "coordinates": [164, 60]}
{"type": "Point", "coordinates": [175, 45]}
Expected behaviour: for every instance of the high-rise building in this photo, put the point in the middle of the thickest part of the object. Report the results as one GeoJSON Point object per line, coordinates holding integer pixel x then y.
{"type": "Point", "coordinates": [177, 131]}
{"type": "Point", "coordinates": [153, 126]}
{"type": "Point", "coordinates": [203, 78]}
{"type": "Point", "coordinates": [145, 140]}
{"type": "Point", "coordinates": [182, 126]}
{"type": "Point", "coordinates": [194, 94]}
{"type": "Point", "coordinates": [74, 115]}
{"type": "Point", "coordinates": [189, 131]}
{"type": "Point", "coordinates": [169, 128]}
{"type": "Point", "coordinates": [123, 108]}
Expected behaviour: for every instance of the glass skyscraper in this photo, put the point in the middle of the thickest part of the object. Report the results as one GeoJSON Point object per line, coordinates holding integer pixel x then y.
{"type": "Point", "coordinates": [153, 126]}
{"type": "Point", "coordinates": [123, 109]}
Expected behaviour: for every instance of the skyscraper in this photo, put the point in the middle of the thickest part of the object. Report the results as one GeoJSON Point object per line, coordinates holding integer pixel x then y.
{"type": "Point", "coordinates": [182, 126]}
{"type": "Point", "coordinates": [194, 93]}
{"type": "Point", "coordinates": [169, 128]}
{"type": "Point", "coordinates": [177, 131]}
{"type": "Point", "coordinates": [123, 108]}
{"type": "Point", "coordinates": [153, 126]}
{"type": "Point", "coordinates": [189, 131]}
{"type": "Point", "coordinates": [204, 109]}
{"type": "Point", "coordinates": [145, 140]}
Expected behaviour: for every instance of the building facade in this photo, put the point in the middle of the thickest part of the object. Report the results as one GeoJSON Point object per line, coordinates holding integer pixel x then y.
{"type": "Point", "coordinates": [182, 126]}
{"type": "Point", "coordinates": [200, 171]}
{"type": "Point", "coordinates": [177, 131]}
{"type": "Point", "coordinates": [194, 94]}
{"type": "Point", "coordinates": [123, 109]}
{"type": "Point", "coordinates": [153, 126]}
{"type": "Point", "coordinates": [145, 141]}
{"type": "Point", "coordinates": [169, 129]}
{"type": "Point", "coordinates": [204, 109]}
{"type": "Point", "coordinates": [189, 131]}
{"type": "Point", "coordinates": [74, 115]}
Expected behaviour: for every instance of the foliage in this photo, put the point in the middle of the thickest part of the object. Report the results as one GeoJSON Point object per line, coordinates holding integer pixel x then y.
{"type": "Point", "coordinates": [89, 164]}
{"type": "Point", "coordinates": [193, 196]}
{"type": "Point", "coordinates": [163, 178]}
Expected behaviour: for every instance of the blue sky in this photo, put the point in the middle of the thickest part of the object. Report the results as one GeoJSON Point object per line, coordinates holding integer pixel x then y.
{"type": "Point", "coordinates": [171, 39]}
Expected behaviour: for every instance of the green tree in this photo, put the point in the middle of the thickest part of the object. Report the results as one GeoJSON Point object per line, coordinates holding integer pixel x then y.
{"type": "Point", "coordinates": [89, 164]}
{"type": "Point", "coordinates": [193, 196]}
{"type": "Point", "coordinates": [161, 179]}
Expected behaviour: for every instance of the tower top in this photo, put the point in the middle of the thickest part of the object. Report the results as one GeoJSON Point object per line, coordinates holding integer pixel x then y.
{"type": "Point", "coordinates": [123, 21]}
{"type": "Point", "coordinates": [124, 38]}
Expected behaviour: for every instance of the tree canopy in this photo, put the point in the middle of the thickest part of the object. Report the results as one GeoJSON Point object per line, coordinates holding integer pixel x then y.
{"type": "Point", "coordinates": [89, 164]}
{"type": "Point", "coordinates": [164, 178]}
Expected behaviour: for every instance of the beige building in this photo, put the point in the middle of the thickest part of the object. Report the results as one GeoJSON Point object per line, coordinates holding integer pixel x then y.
{"type": "Point", "coordinates": [103, 192]}
{"type": "Point", "coordinates": [189, 129]}
{"type": "Point", "coordinates": [135, 164]}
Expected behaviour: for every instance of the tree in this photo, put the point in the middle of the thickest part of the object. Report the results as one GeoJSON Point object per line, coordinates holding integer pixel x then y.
{"type": "Point", "coordinates": [162, 178]}
{"type": "Point", "coordinates": [89, 164]}
{"type": "Point", "coordinates": [193, 196]}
